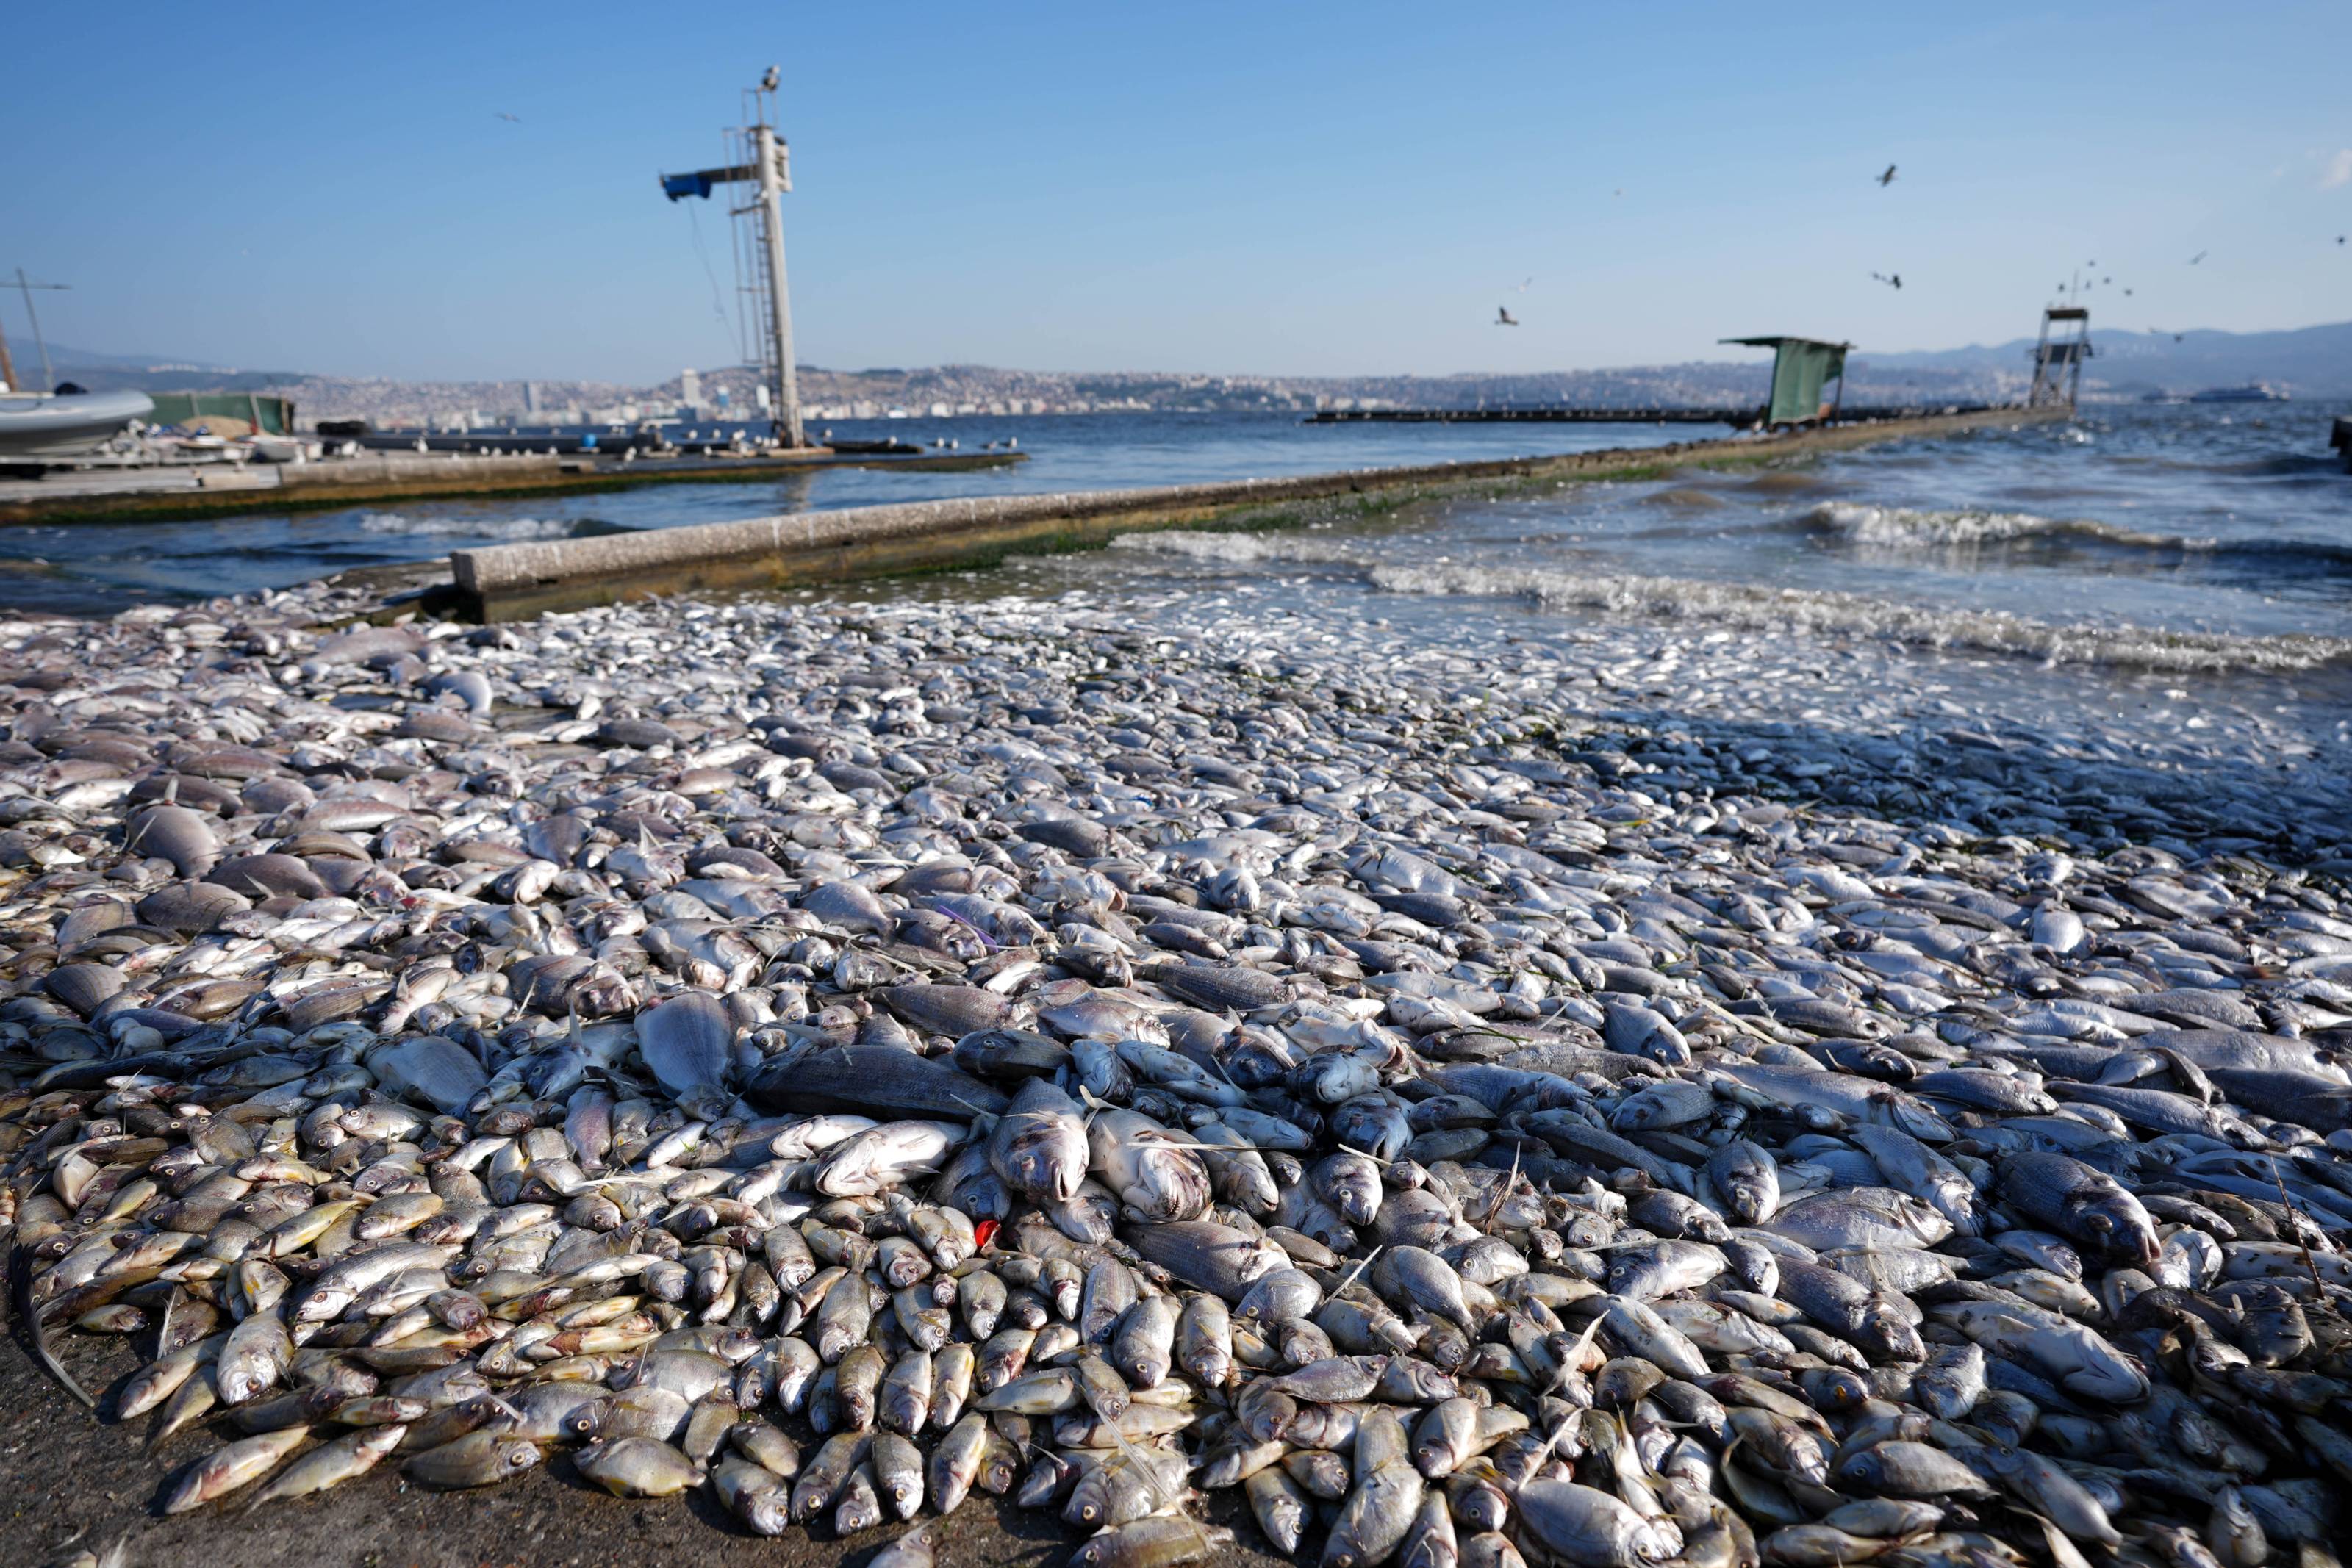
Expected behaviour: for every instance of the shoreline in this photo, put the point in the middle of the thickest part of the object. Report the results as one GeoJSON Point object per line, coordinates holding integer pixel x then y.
{"type": "Point", "coordinates": [516, 581]}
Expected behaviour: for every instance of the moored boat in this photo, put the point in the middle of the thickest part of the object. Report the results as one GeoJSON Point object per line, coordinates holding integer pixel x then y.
{"type": "Point", "coordinates": [47, 426]}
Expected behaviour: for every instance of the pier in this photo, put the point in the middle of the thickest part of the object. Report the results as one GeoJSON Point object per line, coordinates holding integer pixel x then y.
{"type": "Point", "coordinates": [223, 489]}
{"type": "Point", "coordinates": [507, 582]}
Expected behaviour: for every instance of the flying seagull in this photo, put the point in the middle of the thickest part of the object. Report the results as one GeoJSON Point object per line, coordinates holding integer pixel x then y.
{"type": "Point", "coordinates": [1523, 287]}
{"type": "Point", "coordinates": [1503, 318]}
{"type": "Point", "coordinates": [2339, 239]}
{"type": "Point", "coordinates": [517, 119]}
{"type": "Point", "coordinates": [1892, 279]}
{"type": "Point", "coordinates": [768, 82]}
{"type": "Point", "coordinates": [1888, 178]}
{"type": "Point", "coordinates": [2198, 256]}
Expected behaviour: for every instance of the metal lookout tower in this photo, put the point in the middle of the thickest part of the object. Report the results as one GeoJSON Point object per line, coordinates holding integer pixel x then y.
{"type": "Point", "coordinates": [757, 155]}
{"type": "Point", "coordinates": [2058, 357]}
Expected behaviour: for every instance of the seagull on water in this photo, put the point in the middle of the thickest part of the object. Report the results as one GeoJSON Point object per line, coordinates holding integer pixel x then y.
{"type": "Point", "coordinates": [1503, 317]}
{"type": "Point", "coordinates": [1886, 178]}
{"type": "Point", "coordinates": [1892, 279]}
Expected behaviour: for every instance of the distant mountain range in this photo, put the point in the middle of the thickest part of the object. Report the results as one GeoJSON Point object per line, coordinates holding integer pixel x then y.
{"type": "Point", "coordinates": [2309, 362]}
{"type": "Point", "coordinates": [143, 372]}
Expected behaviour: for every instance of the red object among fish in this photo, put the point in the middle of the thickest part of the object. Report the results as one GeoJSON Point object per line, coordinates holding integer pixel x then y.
{"type": "Point", "coordinates": [981, 1229]}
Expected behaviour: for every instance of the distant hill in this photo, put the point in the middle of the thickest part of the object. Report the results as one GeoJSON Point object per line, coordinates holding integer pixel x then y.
{"type": "Point", "coordinates": [62, 355]}
{"type": "Point", "coordinates": [2310, 361]}
{"type": "Point", "coordinates": [141, 373]}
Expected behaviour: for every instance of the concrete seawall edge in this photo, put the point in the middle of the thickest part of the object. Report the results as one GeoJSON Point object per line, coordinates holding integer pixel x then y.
{"type": "Point", "coordinates": [506, 580]}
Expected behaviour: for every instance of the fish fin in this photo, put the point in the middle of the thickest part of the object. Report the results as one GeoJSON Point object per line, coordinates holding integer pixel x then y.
{"type": "Point", "coordinates": [20, 1278]}
{"type": "Point", "coordinates": [1358, 1270]}
{"type": "Point", "coordinates": [1503, 1192]}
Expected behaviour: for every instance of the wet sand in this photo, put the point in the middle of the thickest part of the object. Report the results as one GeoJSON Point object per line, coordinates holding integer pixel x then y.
{"type": "Point", "coordinates": [71, 1482]}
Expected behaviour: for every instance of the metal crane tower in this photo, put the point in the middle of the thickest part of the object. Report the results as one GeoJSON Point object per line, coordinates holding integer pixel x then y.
{"type": "Point", "coordinates": [758, 156]}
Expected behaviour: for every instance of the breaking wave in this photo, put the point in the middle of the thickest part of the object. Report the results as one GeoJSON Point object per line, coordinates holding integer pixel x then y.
{"type": "Point", "coordinates": [512, 530]}
{"type": "Point", "coordinates": [1904, 526]}
{"type": "Point", "coordinates": [1755, 608]}
{"type": "Point", "coordinates": [1235, 549]}
{"type": "Point", "coordinates": [1860, 524]}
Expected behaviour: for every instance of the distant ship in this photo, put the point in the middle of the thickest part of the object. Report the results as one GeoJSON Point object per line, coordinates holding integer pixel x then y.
{"type": "Point", "coordinates": [2256, 391]}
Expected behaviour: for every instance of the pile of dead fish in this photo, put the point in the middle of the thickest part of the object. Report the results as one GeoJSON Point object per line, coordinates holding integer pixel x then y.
{"type": "Point", "coordinates": [847, 1062]}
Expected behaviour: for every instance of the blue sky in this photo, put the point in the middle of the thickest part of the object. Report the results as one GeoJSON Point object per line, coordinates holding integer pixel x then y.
{"type": "Point", "coordinates": [1303, 189]}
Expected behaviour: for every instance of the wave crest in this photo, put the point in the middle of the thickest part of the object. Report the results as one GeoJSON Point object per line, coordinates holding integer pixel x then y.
{"type": "Point", "coordinates": [1758, 608]}
{"type": "Point", "coordinates": [1234, 548]}
{"type": "Point", "coordinates": [507, 529]}
{"type": "Point", "coordinates": [1906, 526]}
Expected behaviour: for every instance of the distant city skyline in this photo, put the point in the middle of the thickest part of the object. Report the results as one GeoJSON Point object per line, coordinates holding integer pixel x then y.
{"type": "Point", "coordinates": [1316, 191]}
{"type": "Point", "coordinates": [2309, 363]}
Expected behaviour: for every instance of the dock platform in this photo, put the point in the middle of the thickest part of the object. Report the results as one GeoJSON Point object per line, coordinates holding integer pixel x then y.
{"type": "Point", "coordinates": [221, 489]}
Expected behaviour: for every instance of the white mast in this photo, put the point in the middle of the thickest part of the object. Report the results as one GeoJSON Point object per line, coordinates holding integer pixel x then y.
{"type": "Point", "coordinates": [770, 157]}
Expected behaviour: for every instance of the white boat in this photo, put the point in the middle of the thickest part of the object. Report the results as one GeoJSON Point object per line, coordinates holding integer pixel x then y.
{"type": "Point", "coordinates": [44, 427]}
{"type": "Point", "coordinates": [281, 448]}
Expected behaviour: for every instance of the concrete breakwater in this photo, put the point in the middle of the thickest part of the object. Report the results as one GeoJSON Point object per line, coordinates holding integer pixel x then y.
{"type": "Point", "coordinates": [174, 494]}
{"type": "Point", "coordinates": [514, 581]}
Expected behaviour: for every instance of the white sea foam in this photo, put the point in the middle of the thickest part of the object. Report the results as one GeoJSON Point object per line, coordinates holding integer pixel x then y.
{"type": "Point", "coordinates": [1755, 607]}
{"type": "Point", "coordinates": [1749, 606]}
{"type": "Point", "coordinates": [1907, 525]}
{"type": "Point", "coordinates": [510, 528]}
{"type": "Point", "coordinates": [1237, 549]}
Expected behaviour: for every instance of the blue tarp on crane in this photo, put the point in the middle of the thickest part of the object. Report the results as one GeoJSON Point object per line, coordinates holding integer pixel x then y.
{"type": "Point", "coordinates": [700, 181]}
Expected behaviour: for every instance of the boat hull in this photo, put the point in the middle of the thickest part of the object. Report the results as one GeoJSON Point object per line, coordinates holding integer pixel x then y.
{"type": "Point", "coordinates": [36, 427]}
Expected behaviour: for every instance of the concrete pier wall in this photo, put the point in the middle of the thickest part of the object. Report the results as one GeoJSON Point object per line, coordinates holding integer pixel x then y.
{"type": "Point", "coordinates": [513, 581]}
{"type": "Point", "coordinates": [174, 494]}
